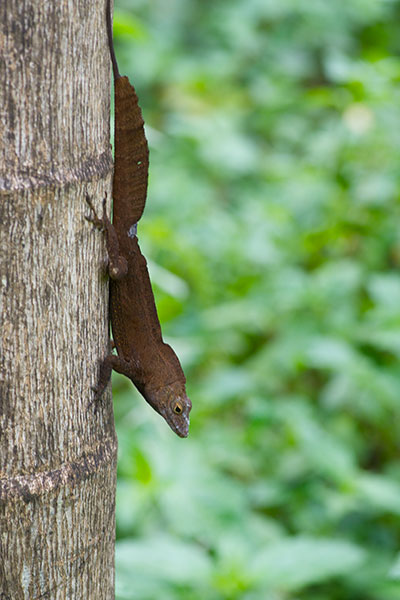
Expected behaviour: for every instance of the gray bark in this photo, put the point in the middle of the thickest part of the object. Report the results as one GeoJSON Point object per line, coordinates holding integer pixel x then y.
{"type": "Point", "coordinates": [57, 458]}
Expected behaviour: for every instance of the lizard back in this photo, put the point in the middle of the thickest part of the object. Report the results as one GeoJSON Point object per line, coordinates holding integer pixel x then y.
{"type": "Point", "coordinates": [133, 309]}
{"type": "Point", "coordinates": [131, 157]}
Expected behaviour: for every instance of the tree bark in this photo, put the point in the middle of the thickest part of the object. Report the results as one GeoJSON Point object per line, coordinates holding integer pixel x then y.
{"type": "Point", "coordinates": [57, 457]}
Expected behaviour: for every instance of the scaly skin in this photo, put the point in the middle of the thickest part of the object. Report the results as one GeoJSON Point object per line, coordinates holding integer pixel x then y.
{"type": "Point", "coordinates": [143, 356]}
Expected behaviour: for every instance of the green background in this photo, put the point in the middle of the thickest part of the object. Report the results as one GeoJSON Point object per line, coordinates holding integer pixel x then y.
{"type": "Point", "coordinates": [272, 230]}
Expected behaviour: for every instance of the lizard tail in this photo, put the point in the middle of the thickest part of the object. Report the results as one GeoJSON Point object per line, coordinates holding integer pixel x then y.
{"type": "Point", "coordinates": [110, 41]}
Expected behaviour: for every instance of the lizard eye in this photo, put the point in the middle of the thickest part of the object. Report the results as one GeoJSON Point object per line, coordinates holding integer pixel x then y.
{"type": "Point", "coordinates": [177, 409]}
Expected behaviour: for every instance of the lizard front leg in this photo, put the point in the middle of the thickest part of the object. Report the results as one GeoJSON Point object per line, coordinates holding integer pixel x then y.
{"type": "Point", "coordinates": [109, 363]}
{"type": "Point", "coordinates": [117, 264]}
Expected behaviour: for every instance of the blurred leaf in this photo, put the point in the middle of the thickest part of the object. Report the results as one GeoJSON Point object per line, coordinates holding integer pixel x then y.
{"type": "Point", "coordinates": [385, 290]}
{"type": "Point", "coordinates": [125, 23]}
{"type": "Point", "coordinates": [272, 233]}
{"type": "Point", "coordinates": [379, 492]}
{"type": "Point", "coordinates": [143, 564]}
{"type": "Point", "coordinates": [296, 562]}
{"type": "Point", "coordinates": [169, 282]}
{"type": "Point", "coordinates": [330, 353]}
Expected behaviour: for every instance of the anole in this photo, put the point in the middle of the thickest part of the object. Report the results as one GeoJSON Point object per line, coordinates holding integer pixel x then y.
{"type": "Point", "coordinates": [143, 356]}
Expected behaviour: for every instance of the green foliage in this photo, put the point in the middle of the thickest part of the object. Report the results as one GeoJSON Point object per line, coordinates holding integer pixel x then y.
{"type": "Point", "coordinates": [272, 229]}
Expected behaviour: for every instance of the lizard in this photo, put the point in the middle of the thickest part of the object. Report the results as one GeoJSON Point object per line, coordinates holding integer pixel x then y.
{"type": "Point", "coordinates": [142, 354]}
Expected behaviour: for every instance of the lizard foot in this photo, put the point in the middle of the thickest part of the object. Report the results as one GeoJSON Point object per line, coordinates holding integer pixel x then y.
{"type": "Point", "coordinates": [93, 218]}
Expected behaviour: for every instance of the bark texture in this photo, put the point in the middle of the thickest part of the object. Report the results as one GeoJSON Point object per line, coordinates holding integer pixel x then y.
{"type": "Point", "coordinates": [57, 458]}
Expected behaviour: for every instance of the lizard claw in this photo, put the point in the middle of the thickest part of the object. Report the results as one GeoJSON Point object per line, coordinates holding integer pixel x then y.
{"type": "Point", "coordinates": [96, 398]}
{"type": "Point", "coordinates": [93, 218]}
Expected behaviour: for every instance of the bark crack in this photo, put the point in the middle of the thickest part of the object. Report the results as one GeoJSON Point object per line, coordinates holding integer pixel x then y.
{"type": "Point", "coordinates": [95, 167]}
{"type": "Point", "coordinates": [29, 487]}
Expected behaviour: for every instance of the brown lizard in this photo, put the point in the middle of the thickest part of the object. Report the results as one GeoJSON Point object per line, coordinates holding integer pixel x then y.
{"type": "Point", "coordinates": [143, 356]}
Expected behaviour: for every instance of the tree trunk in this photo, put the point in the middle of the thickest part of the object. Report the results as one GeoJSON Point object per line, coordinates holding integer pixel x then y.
{"type": "Point", "coordinates": [57, 457]}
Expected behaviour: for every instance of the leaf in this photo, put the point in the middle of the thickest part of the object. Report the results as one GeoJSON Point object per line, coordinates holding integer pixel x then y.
{"type": "Point", "coordinates": [168, 281]}
{"type": "Point", "coordinates": [379, 492]}
{"type": "Point", "coordinates": [299, 561]}
{"type": "Point", "coordinates": [330, 353]}
{"type": "Point", "coordinates": [385, 290]}
{"type": "Point", "coordinates": [125, 23]}
{"type": "Point", "coordinates": [161, 558]}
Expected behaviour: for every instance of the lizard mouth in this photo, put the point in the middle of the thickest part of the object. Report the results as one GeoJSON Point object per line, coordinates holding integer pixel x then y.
{"type": "Point", "coordinates": [181, 429]}
{"type": "Point", "coordinates": [173, 405]}
{"type": "Point", "coordinates": [179, 425]}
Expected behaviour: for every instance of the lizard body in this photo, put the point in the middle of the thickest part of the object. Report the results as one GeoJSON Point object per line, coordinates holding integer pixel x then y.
{"type": "Point", "coordinates": [143, 356]}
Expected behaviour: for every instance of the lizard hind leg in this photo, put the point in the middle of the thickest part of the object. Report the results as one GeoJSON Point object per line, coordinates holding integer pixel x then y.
{"type": "Point", "coordinates": [117, 264]}
{"type": "Point", "coordinates": [93, 218]}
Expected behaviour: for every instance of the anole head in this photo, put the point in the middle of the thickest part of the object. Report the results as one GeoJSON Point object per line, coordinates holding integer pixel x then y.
{"type": "Point", "coordinates": [173, 404]}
